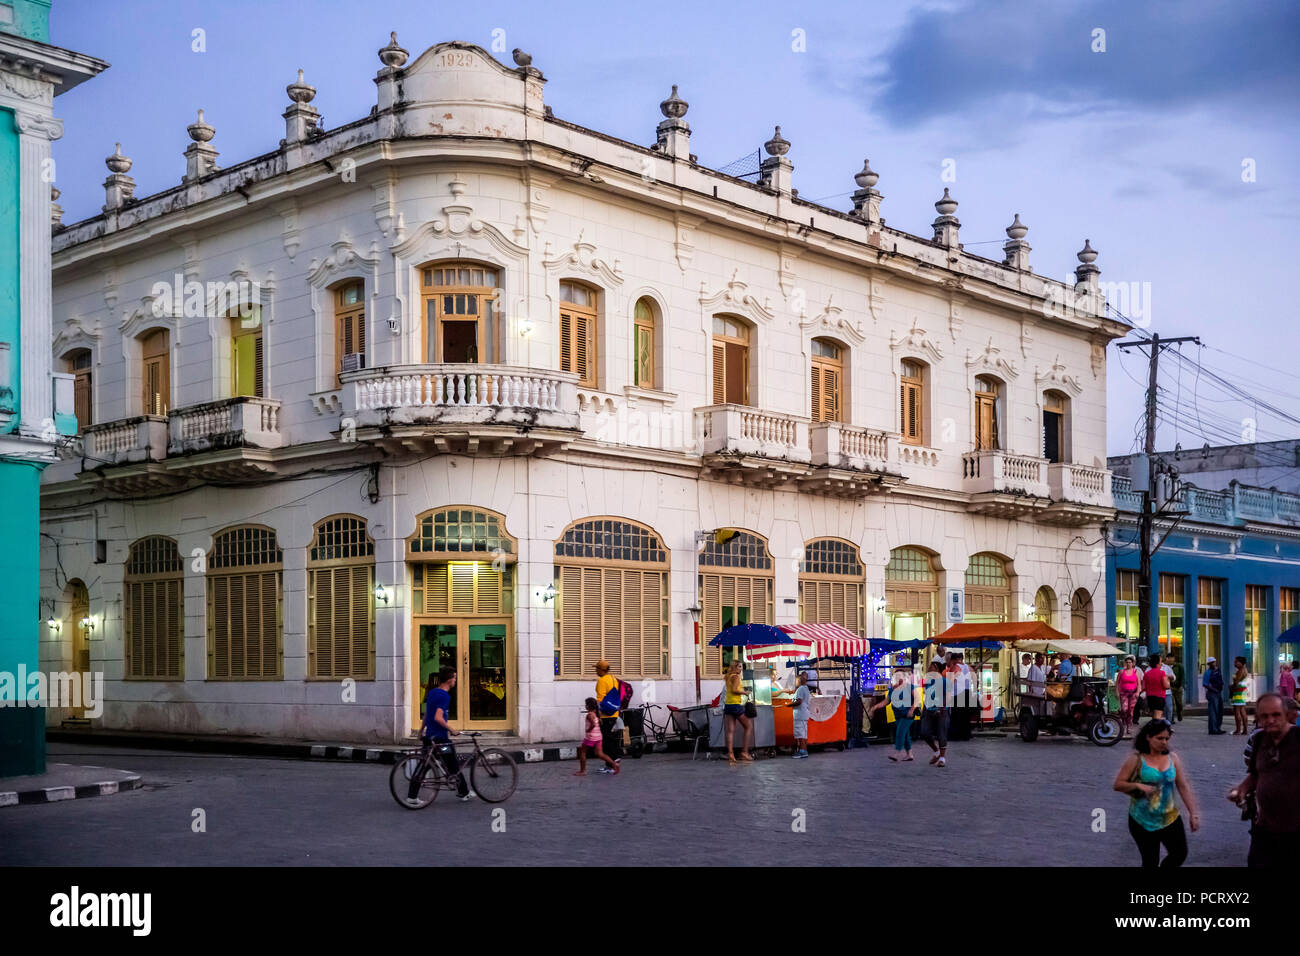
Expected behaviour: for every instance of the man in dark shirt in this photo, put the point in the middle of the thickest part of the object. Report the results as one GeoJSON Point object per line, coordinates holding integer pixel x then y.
{"type": "Point", "coordinates": [1212, 681]}
{"type": "Point", "coordinates": [1274, 779]}
{"type": "Point", "coordinates": [436, 731]}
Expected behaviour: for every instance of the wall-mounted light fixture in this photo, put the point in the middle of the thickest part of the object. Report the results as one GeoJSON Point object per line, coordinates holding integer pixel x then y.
{"type": "Point", "coordinates": [394, 323]}
{"type": "Point", "coordinates": [88, 623]}
{"type": "Point", "coordinates": [1026, 610]}
{"type": "Point", "coordinates": [548, 593]}
{"type": "Point", "coordinates": [526, 327]}
{"type": "Point", "coordinates": [54, 624]}
{"type": "Point", "coordinates": [380, 593]}
{"type": "Point", "coordinates": [694, 612]}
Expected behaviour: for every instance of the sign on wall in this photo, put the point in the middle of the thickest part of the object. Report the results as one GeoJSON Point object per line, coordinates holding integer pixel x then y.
{"type": "Point", "coordinates": [956, 605]}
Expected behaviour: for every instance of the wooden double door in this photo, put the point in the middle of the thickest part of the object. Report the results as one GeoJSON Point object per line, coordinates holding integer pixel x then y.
{"type": "Point", "coordinates": [481, 651]}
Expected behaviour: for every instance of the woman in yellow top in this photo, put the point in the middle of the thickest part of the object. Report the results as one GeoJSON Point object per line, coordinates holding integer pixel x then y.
{"type": "Point", "coordinates": [733, 709]}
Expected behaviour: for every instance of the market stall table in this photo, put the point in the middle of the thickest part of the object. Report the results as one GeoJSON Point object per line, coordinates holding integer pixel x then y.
{"type": "Point", "coordinates": [827, 721]}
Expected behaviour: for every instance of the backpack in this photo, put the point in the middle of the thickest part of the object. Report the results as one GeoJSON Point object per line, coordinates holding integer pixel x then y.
{"type": "Point", "coordinates": [625, 694]}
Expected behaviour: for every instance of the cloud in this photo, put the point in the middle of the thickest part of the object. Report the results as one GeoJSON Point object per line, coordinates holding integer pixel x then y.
{"type": "Point", "coordinates": [1021, 59]}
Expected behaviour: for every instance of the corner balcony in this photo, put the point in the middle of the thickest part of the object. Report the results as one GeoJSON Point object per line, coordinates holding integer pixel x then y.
{"type": "Point", "coordinates": [497, 409]}
{"type": "Point", "coordinates": [850, 460]}
{"type": "Point", "coordinates": [1002, 484]}
{"type": "Point", "coordinates": [1080, 494]}
{"type": "Point", "coordinates": [747, 445]}
{"type": "Point", "coordinates": [230, 440]}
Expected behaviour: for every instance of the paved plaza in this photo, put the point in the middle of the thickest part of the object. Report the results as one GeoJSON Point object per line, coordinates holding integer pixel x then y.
{"type": "Point", "coordinates": [999, 801]}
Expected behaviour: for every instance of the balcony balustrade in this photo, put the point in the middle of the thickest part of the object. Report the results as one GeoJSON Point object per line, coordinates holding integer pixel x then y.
{"type": "Point", "coordinates": [126, 441]}
{"type": "Point", "coordinates": [240, 422]}
{"type": "Point", "coordinates": [742, 431]}
{"type": "Point", "coordinates": [1081, 484]}
{"type": "Point", "coordinates": [999, 472]}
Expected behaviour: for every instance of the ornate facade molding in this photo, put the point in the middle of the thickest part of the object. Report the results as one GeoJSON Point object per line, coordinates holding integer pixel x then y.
{"type": "Point", "coordinates": [916, 341]}
{"type": "Point", "coordinates": [343, 260]}
{"type": "Point", "coordinates": [876, 296]}
{"type": "Point", "coordinates": [786, 257]}
{"type": "Point", "coordinates": [290, 235]}
{"type": "Point", "coordinates": [77, 333]}
{"type": "Point", "coordinates": [831, 320]}
{"type": "Point", "coordinates": [582, 258]}
{"type": "Point", "coordinates": [1058, 377]}
{"type": "Point", "coordinates": [457, 221]}
{"type": "Point", "coordinates": [991, 360]}
{"type": "Point", "coordinates": [684, 239]}
{"type": "Point", "coordinates": [735, 297]}
{"type": "Point", "coordinates": [37, 124]}
{"type": "Point", "coordinates": [30, 88]}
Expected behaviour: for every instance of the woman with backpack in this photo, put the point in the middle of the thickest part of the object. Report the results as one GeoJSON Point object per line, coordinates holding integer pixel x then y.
{"type": "Point", "coordinates": [609, 698]}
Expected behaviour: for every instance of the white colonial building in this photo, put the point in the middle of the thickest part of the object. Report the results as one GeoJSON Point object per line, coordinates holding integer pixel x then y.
{"type": "Point", "coordinates": [463, 383]}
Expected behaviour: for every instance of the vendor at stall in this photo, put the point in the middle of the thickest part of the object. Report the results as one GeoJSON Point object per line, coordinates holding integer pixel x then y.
{"type": "Point", "coordinates": [778, 689]}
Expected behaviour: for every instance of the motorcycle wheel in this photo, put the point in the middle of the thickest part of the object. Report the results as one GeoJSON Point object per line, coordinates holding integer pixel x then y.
{"type": "Point", "coordinates": [1105, 731]}
{"type": "Point", "coordinates": [1028, 726]}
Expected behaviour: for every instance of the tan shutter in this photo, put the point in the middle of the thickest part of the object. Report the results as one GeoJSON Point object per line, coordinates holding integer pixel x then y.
{"type": "Point", "coordinates": [342, 623]}
{"type": "Point", "coordinates": [322, 583]}
{"type": "Point", "coordinates": [652, 623]}
{"type": "Point", "coordinates": [81, 400]}
{"type": "Point", "coordinates": [816, 392]}
{"type": "Point", "coordinates": [719, 373]}
{"type": "Point", "coordinates": [711, 623]}
{"type": "Point", "coordinates": [488, 585]}
{"type": "Point", "coordinates": [359, 345]}
{"type": "Point", "coordinates": [571, 630]}
{"type": "Point", "coordinates": [566, 342]}
{"type": "Point", "coordinates": [830, 394]}
{"type": "Point", "coordinates": [593, 645]}
{"type": "Point", "coordinates": [436, 578]}
{"type": "Point", "coordinates": [462, 588]}
{"type": "Point", "coordinates": [582, 348]}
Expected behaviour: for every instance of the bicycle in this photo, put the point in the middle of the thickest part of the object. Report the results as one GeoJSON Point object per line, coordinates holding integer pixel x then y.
{"type": "Point", "coordinates": [652, 732]}
{"type": "Point", "coordinates": [493, 774]}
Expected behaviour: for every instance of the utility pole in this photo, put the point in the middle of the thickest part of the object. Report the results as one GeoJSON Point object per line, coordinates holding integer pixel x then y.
{"type": "Point", "coordinates": [1146, 521]}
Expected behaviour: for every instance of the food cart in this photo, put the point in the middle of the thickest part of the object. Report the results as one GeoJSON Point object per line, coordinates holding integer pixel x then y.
{"type": "Point", "coordinates": [820, 644]}
{"type": "Point", "coordinates": [759, 687]}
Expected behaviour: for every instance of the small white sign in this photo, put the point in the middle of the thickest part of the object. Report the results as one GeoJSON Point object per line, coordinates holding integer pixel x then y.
{"type": "Point", "coordinates": [956, 605]}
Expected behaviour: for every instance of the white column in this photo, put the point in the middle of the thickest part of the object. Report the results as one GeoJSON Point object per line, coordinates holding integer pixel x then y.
{"type": "Point", "coordinates": [35, 131]}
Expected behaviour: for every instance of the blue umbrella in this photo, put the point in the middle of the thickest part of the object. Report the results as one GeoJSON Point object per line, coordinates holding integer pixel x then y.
{"type": "Point", "coordinates": [743, 635]}
{"type": "Point", "coordinates": [1290, 636]}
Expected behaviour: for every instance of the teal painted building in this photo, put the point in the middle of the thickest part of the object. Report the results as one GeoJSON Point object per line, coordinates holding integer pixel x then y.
{"type": "Point", "coordinates": [35, 403]}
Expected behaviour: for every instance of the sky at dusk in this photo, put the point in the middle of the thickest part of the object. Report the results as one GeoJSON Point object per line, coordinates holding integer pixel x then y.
{"type": "Point", "coordinates": [1140, 148]}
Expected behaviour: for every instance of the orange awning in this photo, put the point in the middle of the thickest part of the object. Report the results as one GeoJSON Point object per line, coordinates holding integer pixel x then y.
{"type": "Point", "coordinates": [1011, 631]}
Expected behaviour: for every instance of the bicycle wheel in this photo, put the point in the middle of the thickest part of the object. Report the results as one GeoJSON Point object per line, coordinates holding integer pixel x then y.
{"type": "Point", "coordinates": [493, 775]}
{"type": "Point", "coordinates": [413, 783]}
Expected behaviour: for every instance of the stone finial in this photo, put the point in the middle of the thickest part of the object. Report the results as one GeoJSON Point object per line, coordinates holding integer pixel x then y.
{"type": "Point", "coordinates": [1087, 273]}
{"type": "Point", "coordinates": [674, 107]}
{"type": "Point", "coordinates": [868, 177]}
{"type": "Point", "coordinates": [521, 58]}
{"type": "Point", "coordinates": [299, 91]}
{"type": "Point", "coordinates": [117, 163]}
{"type": "Point", "coordinates": [393, 56]}
{"type": "Point", "coordinates": [119, 188]}
{"type": "Point", "coordinates": [778, 145]}
{"type": "Point", "coordinates": [1016, 249]}
{"type": "Point", "coordinates": [946, 226]}
{"type": "Point", "coordinates": [200, 131]}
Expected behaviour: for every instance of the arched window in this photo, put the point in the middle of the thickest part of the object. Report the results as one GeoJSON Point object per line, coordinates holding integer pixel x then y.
{"type": "Point", "coordinates": [736, 587]}
{"type": "Point", "coordinates": [78, 362]}
{"type": "Point", "coordinates": [245, 569]}
{"type": "Point", "coordinates": [1056, 426]}
{"type": "Point", "coordinates": [1045, 605]}
{"type": "Point", "coordinates": [462, 563]}
{"type": "Point", "coordinates": [246, 359]}
{"type": "Point", "coordinates": [155, 370]}
{"type": "Point", "coordinates": [988, 590]}
{"type": "Point", "coordinates": [644, 371]}
{"type": "Point", "coordinates": [349, 326]}
{"type": "Point", "coordinates": [611, 599]}
{"type": "Point", "coordinates": [731, 342]}
{"type": "Point", "coordinates": [1080, 605]}
{"type": "Point", "coordinates": [340, 600]}
{"type": "Point", "coordinates": [827, 381]}
{"type": "Point", "coordinates": [460, 315]}
{"type": "Point", "coordinates": [911, 594]}
{"type": "Point", "coordinates": [578, 331]}
{"type": "Point", "coordinates": [988, 413]}
{"type": "Point", "coordinates": [153, 585]}
{"type": "Point", "coordinates": [832, 585]}
{"type": "Point", "coordinates": [912, 402]}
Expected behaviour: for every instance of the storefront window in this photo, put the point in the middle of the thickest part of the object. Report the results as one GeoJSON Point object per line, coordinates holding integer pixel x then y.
{"type": "Point", "coordinates": [1209, 622]}
{"type": "Point", "coordinates": [911, 589]}
{"type": "Point", "coordinates": [1257, 637]}
{"type": "Point", "coordinates": [1171, 612]}
{"type": "Point", "coordinates": [1126, 610]}
{"type": "Point", "coordinates": [1288, 617]}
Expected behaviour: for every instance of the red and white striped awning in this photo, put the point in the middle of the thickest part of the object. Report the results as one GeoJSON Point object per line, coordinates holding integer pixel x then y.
{"type": "Point", "coordinates": [813, 640]}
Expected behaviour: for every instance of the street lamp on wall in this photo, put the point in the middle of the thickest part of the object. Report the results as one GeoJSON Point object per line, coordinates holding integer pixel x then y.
{"type": "Point", "coordinates": [548, 593]}
{"type": "Point", "coordinates": [88, 623]}
{"type": "Point", "coordinates": [381, 594]}
{"type": "Point", "coordinates": [694, 612]}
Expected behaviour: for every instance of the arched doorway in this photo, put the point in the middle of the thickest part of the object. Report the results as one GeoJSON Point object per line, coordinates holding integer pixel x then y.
{"type": "Point", "coordinates": [1045, 606]}
{"type": "Point", "coordinates": [79, 627]}
{"type": "Point", "coordinates": [461, 563]}
{"type": "Point", "coordinates": [1080, 606]}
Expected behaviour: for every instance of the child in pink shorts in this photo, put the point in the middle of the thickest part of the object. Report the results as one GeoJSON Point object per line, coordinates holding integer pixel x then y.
{"type": "Point", "coordinates": [591, 742]}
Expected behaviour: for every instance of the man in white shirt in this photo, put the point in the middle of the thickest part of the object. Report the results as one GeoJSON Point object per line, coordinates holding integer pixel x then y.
{"type": "Point", "coordinates": [1032, 670]}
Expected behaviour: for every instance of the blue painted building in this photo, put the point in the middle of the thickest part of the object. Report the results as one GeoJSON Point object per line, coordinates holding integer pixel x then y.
{"type": "Point", "coordinates": [1226, 581]}
{"type": "Point", "coordinates": [36, 404]}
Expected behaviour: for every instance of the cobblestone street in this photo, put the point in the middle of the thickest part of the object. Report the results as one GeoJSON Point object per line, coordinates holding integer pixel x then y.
{"type": "Point", "coordinates": [997, 802]}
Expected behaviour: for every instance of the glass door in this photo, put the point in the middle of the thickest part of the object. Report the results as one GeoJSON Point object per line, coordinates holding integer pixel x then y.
{"type": "Point", "coordinates": [481, 653]}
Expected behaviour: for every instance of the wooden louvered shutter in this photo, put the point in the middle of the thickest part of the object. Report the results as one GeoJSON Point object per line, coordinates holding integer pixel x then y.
{"type": "Point", "coordinates": [566, 342]}
{"type": "Point", "coordinates": [830, 395]}
{"type": "Point", "coordinates": [343, 622]}
{"type": "Point", "coordinates": [719, 373]}
{"type": "Point", "coordinates": [321, 652]}
{"type": "Point", "coordinates": [593, 645]}
{"type": "Point", "coordinates": [583, 348]}
{"type": "Point", "coordinates": [910, 412]}
{"type": "Point", "coordinates": [611, 604]}
{"type": "Point", "coordinates": [817, 407]}
{"type": "Point", "coordinates": [81, 400]}
{"type": "Point", "coordinates": [711, 624]}
{"type": "Point", "coordinates": [652, 583]}
{"type": "Point", "coordinates": [462, 588]}
{"type": "Point", "coordinates": [359, 346]}
{"type": "Point", "coordinates": [257, 366]}
{"type": "Point", "coordinates": [571, 630]}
